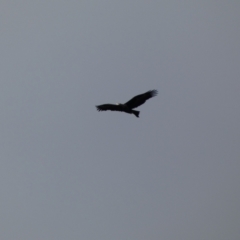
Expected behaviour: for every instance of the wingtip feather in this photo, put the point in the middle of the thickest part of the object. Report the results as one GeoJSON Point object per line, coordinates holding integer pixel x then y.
{"type": "Point", "coordinates": [154, 92]}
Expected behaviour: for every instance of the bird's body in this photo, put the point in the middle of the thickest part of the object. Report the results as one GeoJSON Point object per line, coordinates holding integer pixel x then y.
{"type": "Point", "coordinates": [130, 105]}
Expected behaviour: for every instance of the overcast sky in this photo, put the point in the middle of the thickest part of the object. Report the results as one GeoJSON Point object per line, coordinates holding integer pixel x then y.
{"type": "Point", "coordinates": [70, 172]}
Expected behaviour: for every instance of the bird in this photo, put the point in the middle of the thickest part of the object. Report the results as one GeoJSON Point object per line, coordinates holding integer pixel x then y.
{"type": "Point", "coordinates": [130, 105]}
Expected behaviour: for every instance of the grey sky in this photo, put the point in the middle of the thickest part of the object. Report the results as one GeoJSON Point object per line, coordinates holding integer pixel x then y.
{"type": "Point", "coordinates": [70, 172]}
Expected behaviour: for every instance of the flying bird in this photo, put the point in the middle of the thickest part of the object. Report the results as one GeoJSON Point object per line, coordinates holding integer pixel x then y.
{"type": "Point", "coordinates": [130, 105]}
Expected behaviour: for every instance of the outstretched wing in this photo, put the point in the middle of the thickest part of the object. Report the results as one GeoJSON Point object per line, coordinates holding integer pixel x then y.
{"type": "Point", "coordinates": [141, 99]}
{"type": "Point", "coordinates": [111, 107]}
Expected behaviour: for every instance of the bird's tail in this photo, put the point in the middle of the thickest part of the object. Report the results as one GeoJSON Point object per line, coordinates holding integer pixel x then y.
{"type": "Point", "coordinates": [136, 113]}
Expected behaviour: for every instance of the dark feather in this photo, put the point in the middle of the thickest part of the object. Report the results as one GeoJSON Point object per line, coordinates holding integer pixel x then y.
{"type": "Point", "coordinates": [111, 107]}
{"type": "Point", "coordinates": [141, 99]}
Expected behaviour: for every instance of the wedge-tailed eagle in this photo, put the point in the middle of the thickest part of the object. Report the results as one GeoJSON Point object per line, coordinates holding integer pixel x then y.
{"type": "Point", "coordinates": [130, 105]}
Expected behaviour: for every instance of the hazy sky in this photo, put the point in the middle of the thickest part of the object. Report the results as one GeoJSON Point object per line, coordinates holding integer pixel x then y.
{"type": "Point", "coordinates": [70, 172]}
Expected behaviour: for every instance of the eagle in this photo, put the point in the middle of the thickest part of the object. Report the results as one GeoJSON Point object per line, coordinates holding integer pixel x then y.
{"type": "Point", "coordinates": [130, 105]}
